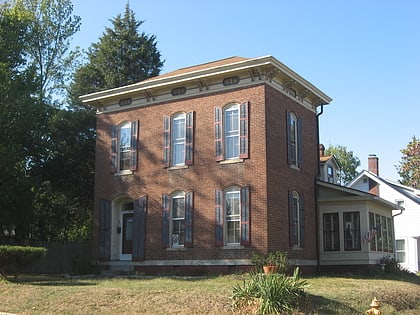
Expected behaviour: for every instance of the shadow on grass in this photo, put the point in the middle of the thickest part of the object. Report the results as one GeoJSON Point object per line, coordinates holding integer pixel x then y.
{"type": "Point", "coordinates": [315, 304]}
{"type": "Point", "coordinates": [47, 280]}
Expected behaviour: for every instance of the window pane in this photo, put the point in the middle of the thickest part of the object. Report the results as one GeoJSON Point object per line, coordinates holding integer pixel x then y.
{"type": "Point", "coordinates": [178, 140]}
{"type": "Point", "coordinates": [331, 232]}
{"type": "Point", "coordinates": [231, 129]}
{"type": "Point", "coordinates": [125, 146]}
{"type": "Point", "coordinates": [232, 206]}
{"type": "Point", "coordinates": [351, 230]}
{"type": "Point", "coordinates": [178, 220]}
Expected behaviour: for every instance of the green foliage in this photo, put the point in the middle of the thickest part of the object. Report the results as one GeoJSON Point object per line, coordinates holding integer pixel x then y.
{"type": "Point", "coordinates": [269, 294]}
{"type": "Point", "coordinates": [19, 256]}
{"type": "Point", "coordinates": [276, 258]}
{"type": "Point", "coordinates": [122, 56]}
{"type": "Point", "coordinates": [348, 162]}
{"type": "Point", "coordinates": [409, 166]}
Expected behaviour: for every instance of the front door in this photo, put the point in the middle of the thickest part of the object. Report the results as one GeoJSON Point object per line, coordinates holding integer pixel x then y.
{"type": "Point", "coordinates": [127, 235]}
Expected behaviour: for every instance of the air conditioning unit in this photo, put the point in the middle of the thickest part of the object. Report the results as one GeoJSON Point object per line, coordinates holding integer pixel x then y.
{"type": "Point", "coordinates": [175, 239]}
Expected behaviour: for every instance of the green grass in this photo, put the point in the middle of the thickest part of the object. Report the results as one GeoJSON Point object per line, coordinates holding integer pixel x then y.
{"type": "Point", "coordinates": [171, 295]}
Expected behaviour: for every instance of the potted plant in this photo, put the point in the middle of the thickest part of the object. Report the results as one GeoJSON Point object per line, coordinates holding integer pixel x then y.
{"type": "Point", "coordinates": [272, 262]}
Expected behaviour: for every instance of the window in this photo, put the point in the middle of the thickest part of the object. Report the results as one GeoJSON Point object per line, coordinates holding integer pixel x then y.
{"type": "Point", "coordinates": [232, 216]}
{"type": "Point", "coordinates": [330, 174]}
{"type": "Point", "coordinates": [178, 139]}
{"type": "Point", "coordinates": [331, 232]}
{"type": "Point", "coordinates": [296, 220]}
{"type": "Point", "coordinates": [294, 140]}
{"type": "Point", "coordinates": [124, 146]}
{"type": "Point", "coordinates": [231, 132]}
{"type": "Point", "coordinates": [400, 251]}
{"type": "Point", "coordinates": [177, 219]}
{"type": "Point", "coordinates": [351, 230]}
{"type": "Point", "coordinates": [380, 234]}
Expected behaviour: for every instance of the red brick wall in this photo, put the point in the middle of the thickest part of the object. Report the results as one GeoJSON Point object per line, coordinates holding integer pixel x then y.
{"type": "Point", "coordinates": [206, 174]}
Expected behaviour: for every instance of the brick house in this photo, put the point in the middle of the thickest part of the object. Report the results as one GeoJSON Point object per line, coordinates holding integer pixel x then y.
{"type": "Point", "coordinates": [200, 167]}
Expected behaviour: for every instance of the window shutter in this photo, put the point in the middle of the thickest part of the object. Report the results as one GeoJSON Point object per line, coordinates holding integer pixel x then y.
{"type": "Point", "coordinates": [292, 234]}
{"type": "Point", "coordinates": [299, 140]}
{"type": "Point", "coordinates": [114, 155]}
{"type": "Point", "coordinates": [245, 216]}
{"type": "Point", "coordinates": [218, 133]}
{"type": "Point", "coordinates": [219, 217]}
{"type": "Point", "coordinates": [189, 138]}
{"type": "Point", "coordinates": [139, 228]}
{"type": "Point", "coordinates": [189, 208]}
{"type": "Point", "coordinates": [105, 229]}
{"type": "Point", "coordinates": [301, 221]}
{"type": "Point", "coordinates": [166, 140]}
{"type": "Point", "coordinates": [165, 220]}
{"type": "Point", "coordinates": [244, 130]}
{"type": "Point", "coordinates": [289, 140]}
{"type": "Point", "coordinates": [134, 144]}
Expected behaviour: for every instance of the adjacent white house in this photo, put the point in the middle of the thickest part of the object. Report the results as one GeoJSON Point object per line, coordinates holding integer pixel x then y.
{"type": "Point", "coordinates": [406, 221]}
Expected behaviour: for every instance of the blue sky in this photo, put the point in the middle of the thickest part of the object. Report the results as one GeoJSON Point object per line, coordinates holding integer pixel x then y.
{"type": "Point", "coordinates": [364, 54]}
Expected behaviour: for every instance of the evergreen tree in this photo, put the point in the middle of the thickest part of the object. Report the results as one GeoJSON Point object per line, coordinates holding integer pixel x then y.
{"type": "Point", "coordinates": [409, 166]}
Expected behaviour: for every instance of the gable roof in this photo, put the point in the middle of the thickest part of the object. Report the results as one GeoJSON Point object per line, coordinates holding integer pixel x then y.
{"type": "Point", "coordinates": [409, 192]}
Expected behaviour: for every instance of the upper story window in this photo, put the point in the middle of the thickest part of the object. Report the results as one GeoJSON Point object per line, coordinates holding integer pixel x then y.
{"type": "Point", "coordinates": [178, 138]}
{"type": "Point", "coordinates": [231, 132]}
{"type": "Point", "coordinates": [296, 220]}
{"type": "Point", "coordinates": [330, 174]}
{"type": "Point", "coordinates": [294, 139]}
{"type": "Point", "coordinates": [177, 219]}
{"type": "Point", "coordinates": [232, 216]}
{"type": "Point", "coordinates": [231, 80]}
{"type": "Point", "coordinates": [124, 146]}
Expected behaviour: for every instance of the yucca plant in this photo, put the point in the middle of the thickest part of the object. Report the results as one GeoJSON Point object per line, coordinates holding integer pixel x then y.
{"type": "Point", "coordinates": [269, 294]}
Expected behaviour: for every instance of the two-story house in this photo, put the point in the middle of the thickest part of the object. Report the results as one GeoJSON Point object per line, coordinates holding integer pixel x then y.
{"type": "Point", "coordinates": [202, 166]}
{"type": "Point", "coordinates": [406, 220]}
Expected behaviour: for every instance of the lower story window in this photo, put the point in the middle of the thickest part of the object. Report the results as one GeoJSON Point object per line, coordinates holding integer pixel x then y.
{"type": "Point", "coordinates": [351, 221]}
{"type": "Point", "coordinates": [331, 232]}
{"type": "Point", "coordinates": [400, 250]}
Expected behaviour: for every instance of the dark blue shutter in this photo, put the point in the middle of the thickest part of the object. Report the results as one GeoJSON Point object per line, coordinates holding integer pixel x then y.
{"type": "Point", "coordinates": [219, 220]}
{"type": "Point", "coordinates": [189, 208]}
{"type": "Point", "coordinates": [134, 145]}
{"type": "Point", "coordinates": [245, 217]}
{"type": "Point", "coordinates": [139, 228]}
{"type": "Point", "coordinates": [218, 133]}
{"type": "Point", "coordinates": [244, 130]}
{"type": "Point", "coordinates": [299, 140]}
{"type": "Point", "coordinates": [292, 238]}
{"type": "Point", "coordinates": [104, 229]}
{"type": "Point", "coordinates": [189, 138]}
{"type": "Point", "coordinates": [114, 154]}
{"type": "Point", "coordinates": [301, 221]}
{"type": "Point", "coordinates": [165, 220]}
{"type": "Point", "coordinates": [289, 139]}
{"type": "Point", "coordinates": [166, 140]}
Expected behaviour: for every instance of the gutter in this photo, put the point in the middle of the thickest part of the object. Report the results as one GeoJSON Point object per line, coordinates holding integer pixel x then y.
{"type": "Point", "coordinates": [316, 193]}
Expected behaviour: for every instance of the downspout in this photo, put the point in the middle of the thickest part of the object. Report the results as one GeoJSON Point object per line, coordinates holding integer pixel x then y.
{"type": "Point", "coordinates": [316, 193]}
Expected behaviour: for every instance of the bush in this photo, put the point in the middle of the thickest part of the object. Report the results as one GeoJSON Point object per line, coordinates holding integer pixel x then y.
{"type": "Point", "coordinates": [269, 294]}
{"type": "Point", "coordinates": [19, 256]}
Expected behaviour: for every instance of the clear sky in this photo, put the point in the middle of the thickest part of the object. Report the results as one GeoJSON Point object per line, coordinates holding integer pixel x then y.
{"type": "Point", "coordinates": [364, 54]}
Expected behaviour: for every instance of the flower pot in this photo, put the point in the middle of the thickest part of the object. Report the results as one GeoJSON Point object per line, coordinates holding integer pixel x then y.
{"type": "Point", "coordinates": [270, 269]}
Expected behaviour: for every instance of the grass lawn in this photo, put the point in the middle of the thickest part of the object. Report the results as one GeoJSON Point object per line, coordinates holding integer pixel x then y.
{"type": "Point", "coordinates": [169, 295]}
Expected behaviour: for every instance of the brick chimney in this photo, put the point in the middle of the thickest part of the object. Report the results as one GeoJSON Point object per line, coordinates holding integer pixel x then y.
{"type": "Point", "coordinates": [373, 164]}
{"type": "Point", "coordinates": [321, 150]}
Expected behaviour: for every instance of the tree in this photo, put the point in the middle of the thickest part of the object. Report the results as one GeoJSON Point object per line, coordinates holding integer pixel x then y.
{"type": "Point", "coordinates": [122, 56]}
{"type": "Point", "coordinates": [348, 162]}
{"type": "Point", "coordinates": [409, 166]}
{"type": "Point", "coordinates": [51, 27]}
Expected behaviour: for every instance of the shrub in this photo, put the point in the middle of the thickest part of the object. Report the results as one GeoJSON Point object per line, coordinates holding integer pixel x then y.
{"type": "Point", "coordinates": [269, 294]}
{"type": "Point", "coordinates": [19, 256]}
